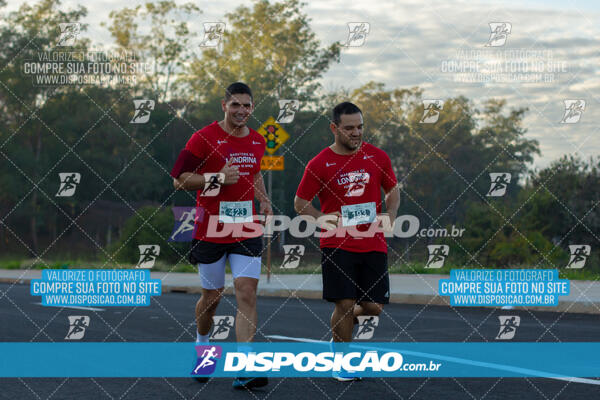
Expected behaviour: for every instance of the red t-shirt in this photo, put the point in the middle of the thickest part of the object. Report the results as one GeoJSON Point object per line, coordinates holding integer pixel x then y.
{"type": "Point", "coordinates": [214, 147]}
{"type": "Point", "coordinates": [345, 180]}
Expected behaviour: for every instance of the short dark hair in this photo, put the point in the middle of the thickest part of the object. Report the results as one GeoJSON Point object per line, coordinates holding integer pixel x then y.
{"type": "Point", "coordinates": [237, 88]}
{"type": "Point", "coordinates": [344, 108]}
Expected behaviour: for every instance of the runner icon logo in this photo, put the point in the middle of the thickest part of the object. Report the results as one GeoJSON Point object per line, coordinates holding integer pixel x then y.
{"type": "Point", "coordinates": [207, 359]}
{"type": "Point", "coordinates": [431, 111]}
{"type": "Point", "coordinates": [499, 183]}
{"type": "Point", "coordinates": [579, 255]}
{"type": "Point", "coordinates": [292, 254]}
{"type": "Point", "coordinates": [437, 255]}
{"type": "Point", "coordinates": [222, 324]}
{"type": "Point", "coordinates": [148, 254]}
{"type": "Point", "coordinates": [142, 109]}
{"type": "Point", "coordinates": [77, 326]}
{"type": "Point", "coordinates": [287, 110]}
{"type": "Point", "coordinates": [68, 33]}
{"type": "Point", "coordinates": [499, 32]}
{"type": "Point", "coordinates": [357, 34]}
{"type": "Point", "coordinates": [366, 326]}
{"type": "Point", "coordinates": [573, 111]}
{"type": "Point", "coordinates": [508, 326]}
{"type": "Point", "coordinates": [68, 183]}
{"type": "Point", "coordinates": [212, 184]}
{"type": "Point", "coordinates": [183, 228]}
{"type": "Point", "coordinates": [213, 33]}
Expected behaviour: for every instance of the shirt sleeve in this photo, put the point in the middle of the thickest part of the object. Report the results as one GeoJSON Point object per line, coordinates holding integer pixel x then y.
{"type": "Point", "coordinates": [186, 162]}
{"type": "Point", "coordinates": [310, 185]}
{"type": "Point", "coordinates": [197, 145]}
{"type": "Point", "coordinates": [388, 178]}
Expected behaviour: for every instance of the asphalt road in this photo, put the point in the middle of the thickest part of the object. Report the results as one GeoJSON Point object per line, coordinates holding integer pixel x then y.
{"type": "Point", "coordinates": [170, 318]}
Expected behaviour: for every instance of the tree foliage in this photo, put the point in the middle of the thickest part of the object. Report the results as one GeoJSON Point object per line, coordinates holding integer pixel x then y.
{"type": "Point", "coordinates": [271, 47]}
{"type": "Point", "coordinates": [165, 45]}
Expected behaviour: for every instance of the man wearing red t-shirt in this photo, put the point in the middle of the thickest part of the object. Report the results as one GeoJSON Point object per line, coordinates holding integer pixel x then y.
{"type": "Point", "coordinates": [347, 177]}
{"type": "Point", "coordinates": [222, 163]}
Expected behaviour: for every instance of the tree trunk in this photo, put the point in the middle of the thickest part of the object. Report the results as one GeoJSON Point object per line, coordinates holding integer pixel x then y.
{"type": "Point", "coordinates": [33, 225]}
{"type": "Point", "coordinates": [33, 221]}
{"type": "Point", "coordinates": [108, 236]}
{"type": "Point", "coordinates": [52, 227]}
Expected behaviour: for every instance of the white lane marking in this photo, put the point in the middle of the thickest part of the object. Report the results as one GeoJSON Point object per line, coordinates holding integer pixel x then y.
{"type": "Point", "coordinates": [295, 339]}
{"type": "Point", "coordinates": [75, 307]}
{"type": "Point", "coordinates": [533, 372]}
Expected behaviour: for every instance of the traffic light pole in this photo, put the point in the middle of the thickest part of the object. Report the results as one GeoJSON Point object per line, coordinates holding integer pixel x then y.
{"type": "Point", "coordinates": [269, 238]}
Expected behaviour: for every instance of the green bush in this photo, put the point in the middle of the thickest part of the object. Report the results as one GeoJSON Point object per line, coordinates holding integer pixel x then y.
{"type": "Point", "coordinates": [10, 264]}
{"type": "Point", "coordinates": [527, 249]}
{"type": "Point", "coordinates": [149, 226]}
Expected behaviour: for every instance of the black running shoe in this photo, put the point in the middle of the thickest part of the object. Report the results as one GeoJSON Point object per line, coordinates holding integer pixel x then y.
{"type": "Point", "coordinates": [249, 383]}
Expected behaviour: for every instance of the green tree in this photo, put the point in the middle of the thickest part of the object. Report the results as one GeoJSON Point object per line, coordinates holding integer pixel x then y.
{"type": "Point", "coordinates": [502, 137]}
{"type": "Point", "coordinates": [271, 47]}
{"type": "Point", "coordinates": [166, 45]}
{"type": "Point", "coordinates": [564, 202]}
{"type": "Point", "coordinates": [29, 31]}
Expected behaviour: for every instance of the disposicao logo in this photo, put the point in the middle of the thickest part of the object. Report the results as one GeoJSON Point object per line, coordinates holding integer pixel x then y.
{"type": "Point", "coordinates": [307, 361]}
{"type": "Point", "coordinates": [207, 359]}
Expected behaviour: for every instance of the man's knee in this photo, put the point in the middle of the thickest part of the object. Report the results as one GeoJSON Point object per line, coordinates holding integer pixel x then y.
{"type": "Point", "coordinates": [245, 293]}
{"type": "Point", "coordinates": [371, 308]}
{"type": "Point", "coordinates": [210, 300]}
{"type": "Point", "coordinates": [345, 306]}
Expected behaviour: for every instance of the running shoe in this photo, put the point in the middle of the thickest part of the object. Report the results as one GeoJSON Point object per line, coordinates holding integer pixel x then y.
{"type": "Point", "coordinates": [249, 383]}
{"type": "Point", "coordinates": [343, 375]}
{"type": "Point", "coordinates": [346, 376]}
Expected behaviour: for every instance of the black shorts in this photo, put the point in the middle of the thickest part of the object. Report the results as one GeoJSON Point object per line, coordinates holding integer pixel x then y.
{"type": "Point", "coordinates": [203, 252]}
{"type": "Point", "coordinates": [354, 275]}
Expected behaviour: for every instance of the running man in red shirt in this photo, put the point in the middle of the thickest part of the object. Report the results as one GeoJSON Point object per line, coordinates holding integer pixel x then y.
{"type": "Point", "coordinates": [347, 177]}
{"type": "Point", "coordinates": [225, 226]}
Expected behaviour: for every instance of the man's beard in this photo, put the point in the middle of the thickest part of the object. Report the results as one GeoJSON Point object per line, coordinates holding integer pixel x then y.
{"type": "Point", "coordinates": [348, 144]}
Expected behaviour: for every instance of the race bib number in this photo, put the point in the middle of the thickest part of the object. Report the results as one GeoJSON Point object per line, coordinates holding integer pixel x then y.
{"type": "Point", "coordinates": [235, 211]}
{"type": "Point", "coordinates": [356, 214]}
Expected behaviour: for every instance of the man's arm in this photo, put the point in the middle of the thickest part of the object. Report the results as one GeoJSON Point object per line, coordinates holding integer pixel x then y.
{"type": "Point", "coordinates": [309, 187]}
{"type": "Point", "coordinates": [392, 202]}
{"type": "Point", "coordinates": [193, 181]}
{"type": "Point", "coordinates": [390, 187]}
{"type": "Point", "coordinates": [261, 194]}
{"type": "Point", "coordinates": [189, 181]}
{"type": "Point", "coordinates": [324, 221]}
{"type": "Point", "coordinates": [305, 207]}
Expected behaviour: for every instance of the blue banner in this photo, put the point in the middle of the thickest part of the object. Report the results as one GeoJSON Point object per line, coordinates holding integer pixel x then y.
{"type": "Point", "coordinates": [285, 359]}
{"type": "Point", "coordinates": [504, 287]}
{"type": "Point", "coordinates": [95, 287]}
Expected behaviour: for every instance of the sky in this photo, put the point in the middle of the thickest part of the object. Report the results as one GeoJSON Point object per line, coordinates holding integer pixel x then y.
{"type": "Point", "coordinates": [410, 45]}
